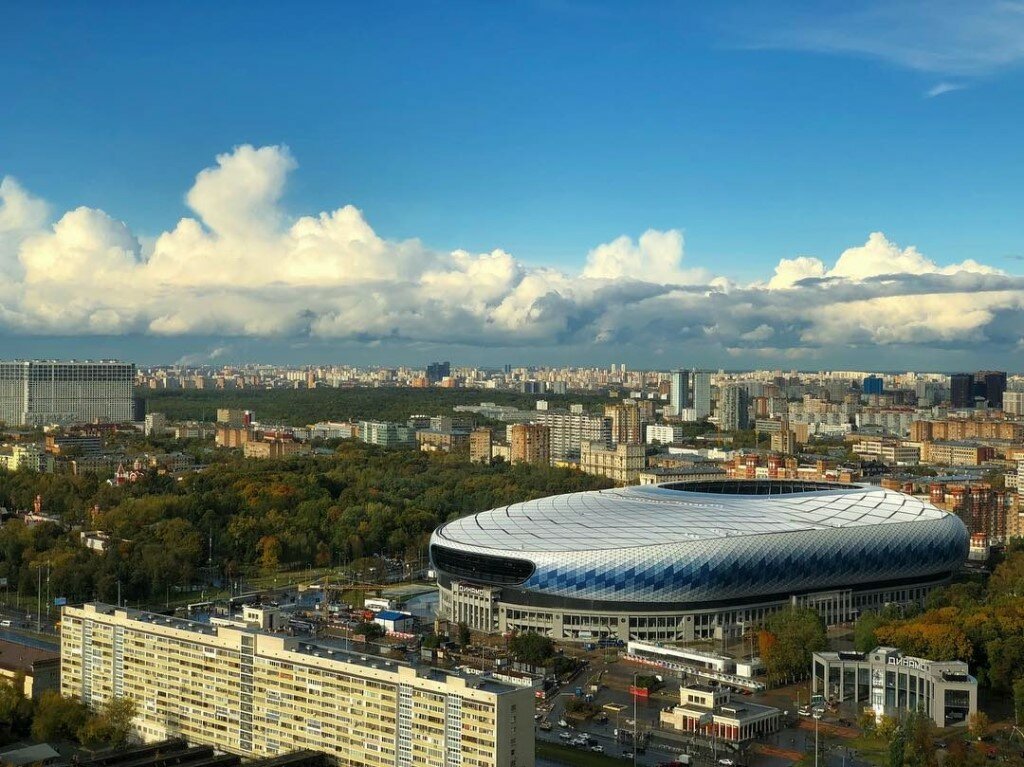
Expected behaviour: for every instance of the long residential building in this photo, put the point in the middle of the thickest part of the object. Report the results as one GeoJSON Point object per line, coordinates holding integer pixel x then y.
{"type": "Point", "coordinates": [253, 693]}
{"type": "Point", "coordinates": [41, 392]}
{"type": "Point", "coordinates": [569, 430]}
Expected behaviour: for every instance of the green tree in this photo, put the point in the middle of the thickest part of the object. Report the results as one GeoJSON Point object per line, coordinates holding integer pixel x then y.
{"type": "Point", "coordinates": [57, 717]}
{"type": "Point", "coordinates": [369, 630]}
{"type": "Point", "coordinates": [111, 725]}
{"type": "Point", "coordinates": [532, 648]}
{"type": "Point", "coordinates": [1008, 577]}
{"type": "Point", "coordinates": [864, 639]}
{"type": "Point", "coordinates": [464, 635]}
{"type": "Point", "coordinates": [430, 641]}
{"type": "Point", "coordinates": [919, 741]}
{"type": "Point", "coordinates": [789, 639]}
{"type": "Point", "coordinates": [897, 748]}
{"type": "Point", "coordinates": [15, 708]}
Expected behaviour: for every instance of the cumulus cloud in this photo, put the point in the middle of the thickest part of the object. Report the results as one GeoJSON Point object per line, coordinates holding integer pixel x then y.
{"type": "Point", "coordinates": [240, 266]}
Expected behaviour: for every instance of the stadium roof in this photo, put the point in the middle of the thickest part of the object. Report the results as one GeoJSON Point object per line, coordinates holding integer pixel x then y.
{"type": "Point", "coordinates": [661, 514]}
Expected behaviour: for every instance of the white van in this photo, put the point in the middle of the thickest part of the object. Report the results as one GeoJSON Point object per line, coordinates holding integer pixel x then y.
{"type": "Point", "coordinates": [5, 624]}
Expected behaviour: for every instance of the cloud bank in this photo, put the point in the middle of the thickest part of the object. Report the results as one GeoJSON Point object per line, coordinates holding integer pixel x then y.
{"type": "Point", "coordinates": [241, 267]}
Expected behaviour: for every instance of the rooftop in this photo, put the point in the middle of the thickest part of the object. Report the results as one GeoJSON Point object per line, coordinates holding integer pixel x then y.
{"type": "Point", "coordinates": [648, 515]}
{"type": "Point", "coordinates": [335, 651]}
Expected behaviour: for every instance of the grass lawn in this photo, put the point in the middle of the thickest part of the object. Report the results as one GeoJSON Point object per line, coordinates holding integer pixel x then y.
{"type": "Point", "coordinates": [870, 748]}
{"type": "Point", "coordinates": [575, 757]}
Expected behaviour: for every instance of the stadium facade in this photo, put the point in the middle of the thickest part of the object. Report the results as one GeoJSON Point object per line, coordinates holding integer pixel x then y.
{"type": "Point", "coordinates": [692, 560]}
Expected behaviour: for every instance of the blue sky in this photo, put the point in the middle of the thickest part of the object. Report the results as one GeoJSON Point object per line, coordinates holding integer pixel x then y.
{"type": "Point", "coordinates": [544, 129]}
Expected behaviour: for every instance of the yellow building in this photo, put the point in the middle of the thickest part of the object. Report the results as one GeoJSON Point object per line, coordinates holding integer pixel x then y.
{"type": "Point", "coordinates": [621, 464]}
{"type": "Point", "coordinates": [36, 670]}
{"type": "Point", "coordinates": [273, 448]}
{"type": "Point", "coordinates": [258, 694]}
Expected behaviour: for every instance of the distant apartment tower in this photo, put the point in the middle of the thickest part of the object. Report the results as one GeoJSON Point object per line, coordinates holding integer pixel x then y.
{"type": "Point", "coordinates": [530, 443]}
{"type": "Point", "coordinates": [734, 409]}
{"type": "Point", "coordinates": [873, 385]}
{"type": "Point", "coordinates": [155, 424]}
{"type": "Point", "coordinates": [961, 390]}
{"type": "Point", "coordinates": [37, 392]}
{"type": "Point", "coordinates": [247, 691]}
{"type": "Point", "coordinates": [386, 434]}
{"type": "Point", "coordinates": [628, 420]}
{"type": "Point", "coordinates": [679, 394]}
{"type": "Point", "coordinates": [438, 371]}
{"type": "Point", "coordinates": [1013, 402]}
{"type": "Point", "coordinates": [569, 430]}
{"type": "Point", "coordinates": [480, 441]}
{"type": "Point", "coordinates": [701, 382]}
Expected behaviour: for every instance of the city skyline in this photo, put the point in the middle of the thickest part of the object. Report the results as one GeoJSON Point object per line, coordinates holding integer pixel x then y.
{"type": "Point", "coordinates": [797, 189]}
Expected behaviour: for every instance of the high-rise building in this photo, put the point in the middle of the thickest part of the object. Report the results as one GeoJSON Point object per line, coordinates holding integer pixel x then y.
{"type": "Point", "coordinates": [530, 443]}
{"type": "Point", "coordinates": [990, 384]}
{"type": "Point", "coordinates": [701, 394]}
{"type": "Point", "coordinates": [569, 430]}
{"type": "Point", "coordinates": [249, 692]}
{"type": "Point", "coordinates": [734, 409]}
{"type": "Point", "coordinates": [41, 392]}
{"type": "Point", "coordinates": [628, 420]}
{"type": "Point", "coordinates": [873, 385]}
{"type": "Point", "coordinates": [679, 395]}
{"type": "Point", "coordinates": [1013, 402]}
{"type": "Point", "coordinates": [480, 441]}
{"type": "Point", "coordinates": [437, 371]}
{"type": "Point", "coordinates": [961, 390]}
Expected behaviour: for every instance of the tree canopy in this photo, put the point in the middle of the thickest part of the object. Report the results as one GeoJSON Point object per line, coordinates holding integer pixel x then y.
{"type": "Point", "coordinates": [253, 516]}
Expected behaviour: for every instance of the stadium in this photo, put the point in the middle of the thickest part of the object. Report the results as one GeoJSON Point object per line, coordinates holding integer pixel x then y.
{"type": "Point", "coordinates": [694, 560]}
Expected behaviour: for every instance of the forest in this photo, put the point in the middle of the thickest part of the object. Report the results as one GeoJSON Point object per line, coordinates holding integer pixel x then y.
{"type": "Point", "coordinates": [974, 620]}
{"type": "Point", "coordinates": [252, 516]}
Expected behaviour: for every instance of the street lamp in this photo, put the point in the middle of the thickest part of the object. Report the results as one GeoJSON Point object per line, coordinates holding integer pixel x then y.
{"type": "Point", "coordinates": [816, 712]}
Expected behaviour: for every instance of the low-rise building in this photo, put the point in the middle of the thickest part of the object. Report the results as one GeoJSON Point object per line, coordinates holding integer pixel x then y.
{"type": "Point", "coordinates": [39, 668]}
{"type": "Point", "coordinates": [445, 441]}
{"type": "Point", "coordinates": [890, 683]}
{"type": "Point", "coordinates": [715, 712]}
{"type": "Point", "coordinates": [274, 448]}
{"type": "Point", "coordinates": [956, 453]}
{"type": "Point", "coordinates": [659, 475]}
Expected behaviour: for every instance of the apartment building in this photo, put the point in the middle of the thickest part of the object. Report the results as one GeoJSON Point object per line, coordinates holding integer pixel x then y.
{"type": "Point", "coordinates": [480, 441]}
{"type": "Point", "coordinates": [530, 443]}
{"type": "Point", "coordinates": [956, 453]}
{"type": "Point", "coordinates": [957, 429]}
{"type": "Point", "coordinates": [888, 451]}
{"type": "Point", "coordinates": [621, 464]}
{"type": "Point", "coordinates": [570, 430]}
{"type": "Point", "coordinates": [40, 392]}
{"type": "Point", "coordinates": [259, 694]}
{"type": "Point", "coordinates": [271, 447]}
